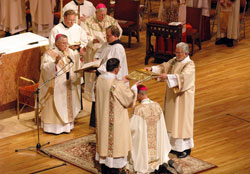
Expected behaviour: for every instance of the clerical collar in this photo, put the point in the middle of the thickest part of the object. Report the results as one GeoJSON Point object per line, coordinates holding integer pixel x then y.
{"type": "Point", "coordinates": [184, 60]}
{"type": "Point", "coordinates": [65, 25]}
{"type": "Point", "coordinates": [78, 3]}
{"type": "Point", "coordinates": [145, 101]}
{"type": "Point", "coordinates": [109, 75]}
{"type": "Point", "coordinates": [115, 42]}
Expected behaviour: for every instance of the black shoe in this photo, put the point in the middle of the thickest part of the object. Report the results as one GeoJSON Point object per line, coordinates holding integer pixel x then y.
{"type": "Point", "coordinates": [188, 151]}
{"type": "Point", "coordinates": [163, 169]}
{"type": "Point", "coordinates": [104, 169]}
{"type": "Point", "coordinates": [230, 42]}
{"type": "Point", "coordinates": [184, 154]}
{"type": "Point", "coordinates": [113, 171]}
{"type": "Point", "coordinates": [7, 34]}
{"type": "Point", "coordinates": [221, 41]}
{"type": "Point", "coordinates": [173, 152]}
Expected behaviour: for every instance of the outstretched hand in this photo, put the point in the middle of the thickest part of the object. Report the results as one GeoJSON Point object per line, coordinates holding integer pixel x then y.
{"type": "Point", "coordinates": [148, 68]}
{"type": "Point", "coordinates": [163, 76]}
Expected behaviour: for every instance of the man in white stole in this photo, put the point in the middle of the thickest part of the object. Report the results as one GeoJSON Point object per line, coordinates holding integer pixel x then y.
{"type": "Point", "coordinates": [86, 10]}
{"type": "Point", "coordinates": [179, 73]}
{"type": "Point", "coordinates": [96, 26]}
{"type": "Point", "coordinates": [113, 98]}
{"type": "Point", "coordinates": [150, 142]}
{"type": "Point", "coordinates": [112, 49]}
{"type": "Point", "coordinates": [60, 97]}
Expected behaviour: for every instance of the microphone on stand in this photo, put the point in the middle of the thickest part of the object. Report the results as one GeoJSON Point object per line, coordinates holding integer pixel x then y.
{"type": "Point", "coordinates": [67, 73]}
{"type": "Point", "coordinates": [70, 59]}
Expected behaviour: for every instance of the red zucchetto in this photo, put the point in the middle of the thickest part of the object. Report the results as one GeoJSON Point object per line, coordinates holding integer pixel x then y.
{"type": "Point", "coordinates": [100, 6]}
{"type": "Point", "coordinates": [57, 36]}
{"type": "Point", "coordinates": [141, 88]}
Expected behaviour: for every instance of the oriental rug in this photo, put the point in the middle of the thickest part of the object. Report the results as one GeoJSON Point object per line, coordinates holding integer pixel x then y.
{"type": "Point", "coordinates": [81, 152]}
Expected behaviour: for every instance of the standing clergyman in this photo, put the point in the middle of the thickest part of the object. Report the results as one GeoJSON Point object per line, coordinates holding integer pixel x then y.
{"type": "Point", "coordinates": [179, 73]}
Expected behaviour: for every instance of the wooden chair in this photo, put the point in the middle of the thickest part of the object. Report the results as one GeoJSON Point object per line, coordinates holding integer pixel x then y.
{"type": "Point", "coordinates": [25, 95]}
{"type": "Point", "coordinates": [127, 14]}
{"type": "Point", "coordinates": [243, 5]}
{"type": "Point", "coordinates": [194, 18]}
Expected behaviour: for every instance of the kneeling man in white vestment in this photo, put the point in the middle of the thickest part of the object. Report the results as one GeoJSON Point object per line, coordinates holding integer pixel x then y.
{"type": "Point", "coordinates": [60, 97]}
{"type": "Point", "coordinates": [150, 142]}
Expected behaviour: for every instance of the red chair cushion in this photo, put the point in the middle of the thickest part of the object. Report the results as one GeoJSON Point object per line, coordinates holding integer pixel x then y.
{"type": "Point", "coordinates": [188, 26]}
{"type": "Point", "coordinates": [26, 94]}
{"type": "Point", "coordinates": [161, 44]}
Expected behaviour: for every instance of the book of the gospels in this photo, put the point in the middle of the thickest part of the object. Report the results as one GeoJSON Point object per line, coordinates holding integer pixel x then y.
{"type": "Point", "coordinates": [90, 66]}
{"type": "Point", "coordinates": [142, 75]}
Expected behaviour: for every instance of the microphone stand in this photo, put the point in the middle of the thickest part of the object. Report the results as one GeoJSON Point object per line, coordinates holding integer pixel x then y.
{"type": "Point", "coordinates": [38, 145]}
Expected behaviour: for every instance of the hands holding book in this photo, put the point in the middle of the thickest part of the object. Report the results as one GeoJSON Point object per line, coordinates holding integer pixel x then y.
{"type": "Point", "coordinates": [161, 76]}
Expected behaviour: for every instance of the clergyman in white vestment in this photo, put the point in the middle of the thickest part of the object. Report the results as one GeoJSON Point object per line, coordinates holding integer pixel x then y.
{"type": "Point", "coordinates": [113, 98]}
{"type": "Point", "coordinates": [150, 142]}
{"type": "Point", "coordinates": [179, 73]}
{"type": "Point", "coordinates": [60, 97]}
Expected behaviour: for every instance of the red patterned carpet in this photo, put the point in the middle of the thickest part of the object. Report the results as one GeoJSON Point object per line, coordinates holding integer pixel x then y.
{"type": "Point", "coordinates": [81, 152]}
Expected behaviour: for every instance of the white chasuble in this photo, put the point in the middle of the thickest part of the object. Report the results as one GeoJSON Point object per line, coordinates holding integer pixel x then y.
{"type": "Point", "coordinates": [150, 142]}
{"type": "Point", "coordinates": [113, 97]}
{"type": "Point", "coordinates": [59, 98]}
{"type": "Point", "coordinates": [179, 101]}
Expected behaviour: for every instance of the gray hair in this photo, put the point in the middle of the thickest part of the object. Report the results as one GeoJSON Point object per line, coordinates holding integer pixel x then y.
{"type": "Point", "coordinates": [184, 46]}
